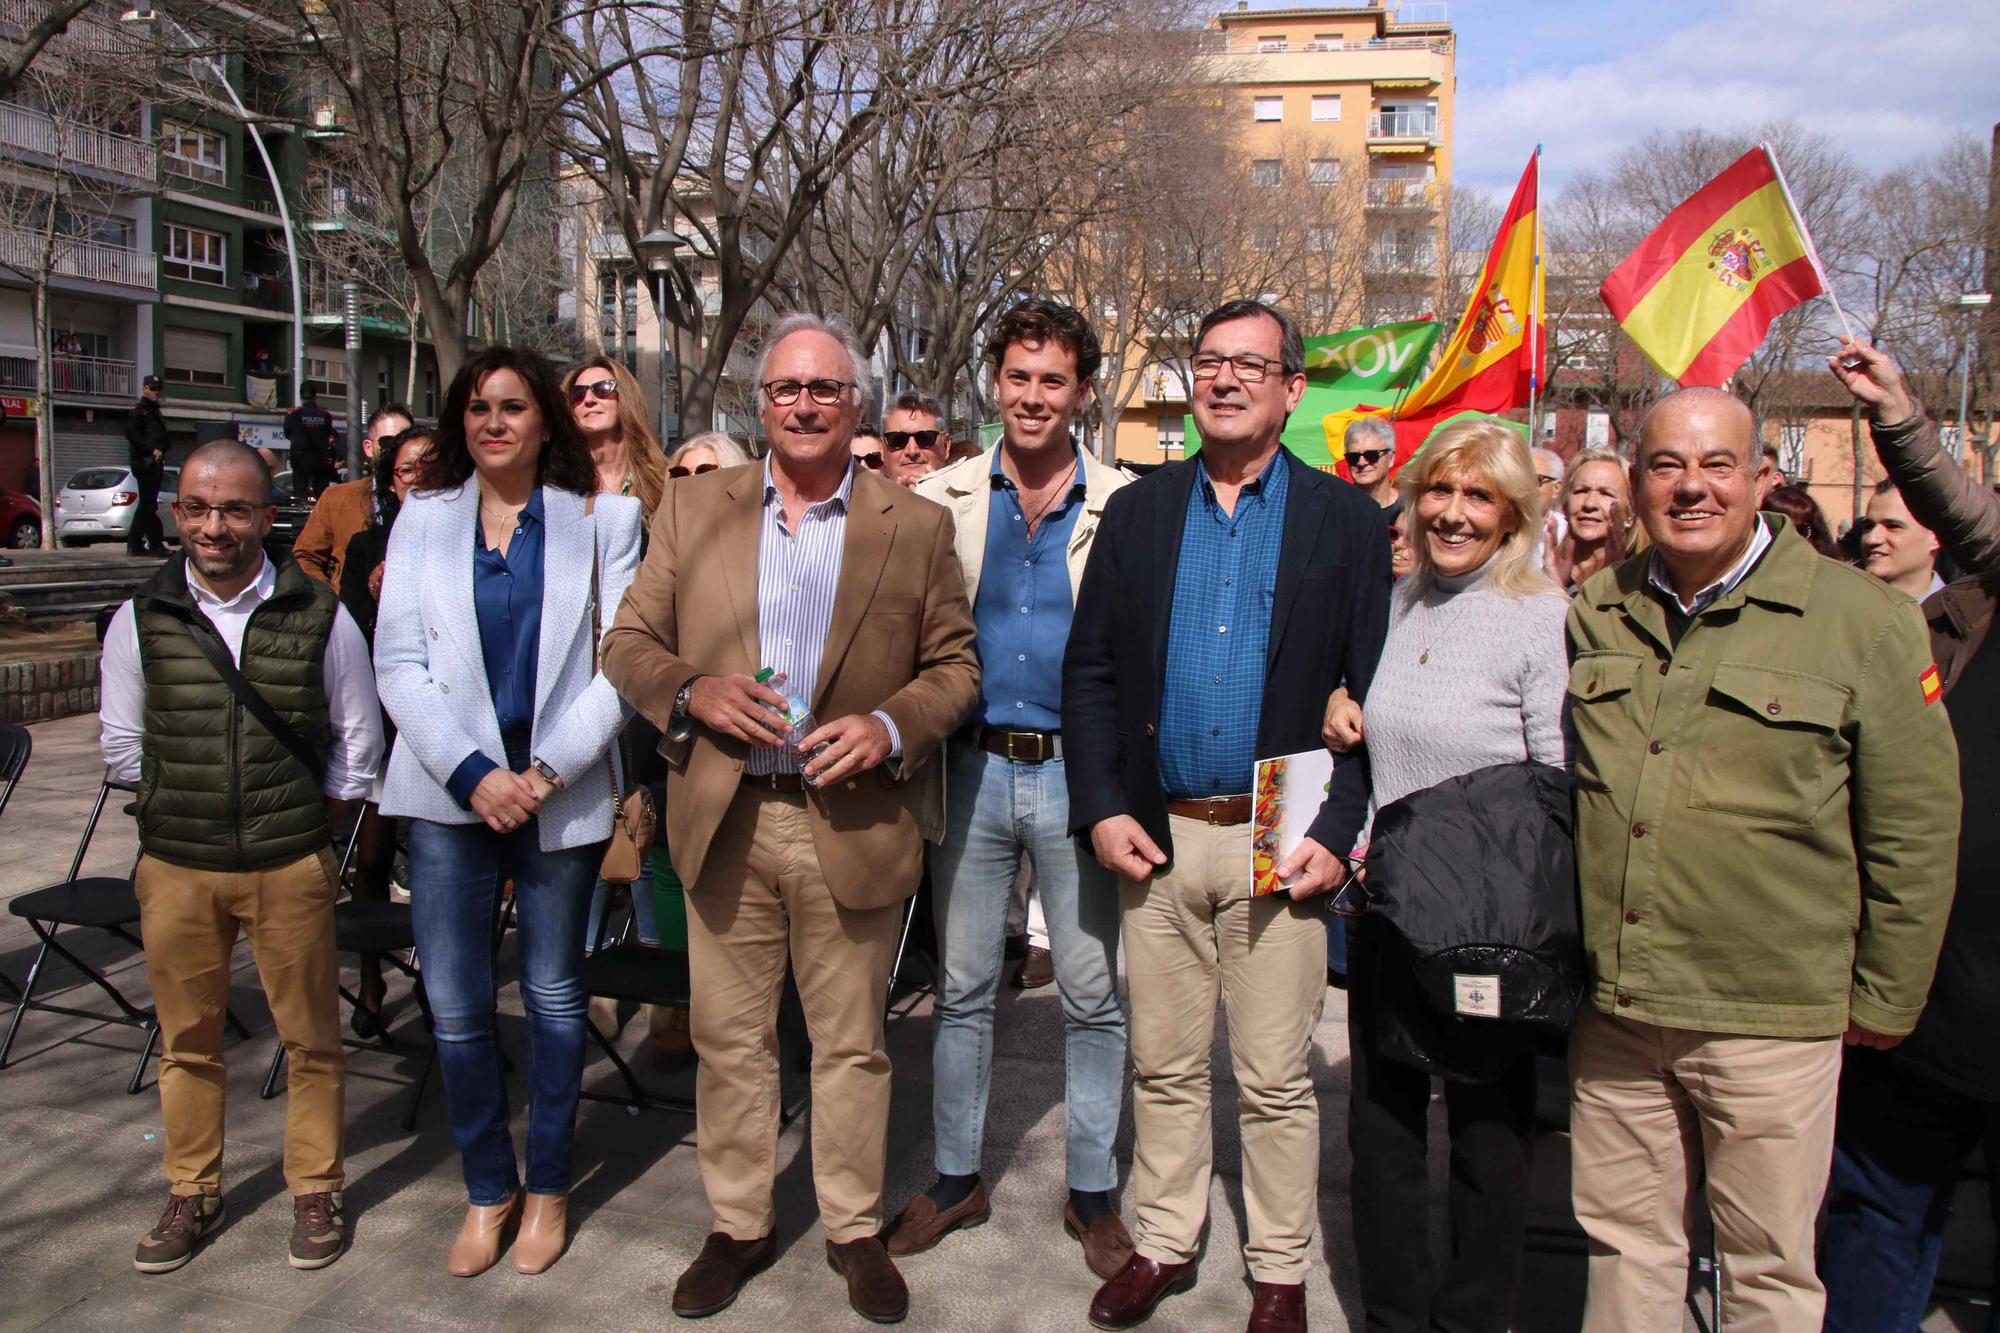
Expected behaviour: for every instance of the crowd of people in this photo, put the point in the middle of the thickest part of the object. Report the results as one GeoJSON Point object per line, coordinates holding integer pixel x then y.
{"type": "Point", "coordinates": [1643, 703]}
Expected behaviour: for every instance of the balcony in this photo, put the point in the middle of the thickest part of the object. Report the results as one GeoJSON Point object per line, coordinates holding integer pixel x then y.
{"type": "Point", "coordinates": [1401, 61]}
{"type": "Point", "coordinates": [1418, 260]}
{"type": "Point", "coordinates": [1386, 128]}
{"type": "Point", "coordinates": [90, 376]}
{"type": "Point", "coordinates": [84, 33]}
{"type": "Point", "coordinates": [1165, 386]}
{"type": "Point", "coordinates": [29, 131]}
{"type": "Point", "coordinates": [1388, 194]}
{"type": "Point", "coordinates": [118, 265]}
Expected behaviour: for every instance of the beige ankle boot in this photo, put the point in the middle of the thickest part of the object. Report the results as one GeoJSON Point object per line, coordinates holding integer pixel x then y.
{"type": "Point", "coordinates": [544, 1228]}
{"type": "Point", "coordinates": [482, 1236]}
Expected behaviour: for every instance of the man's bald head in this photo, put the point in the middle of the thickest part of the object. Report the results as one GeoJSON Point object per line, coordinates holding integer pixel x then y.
{"type": "Point", "coordinates": [224, 455]}
{"type": "Point", "coordinates": [1715, 413]}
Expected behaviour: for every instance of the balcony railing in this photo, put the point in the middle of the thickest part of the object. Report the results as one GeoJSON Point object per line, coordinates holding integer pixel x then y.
{"type": "Point", "coordinates": [90, 260]}
{"type": "Point", "coordinates": [30, 131]}
{"type": "Point", "coordinates": [95, 376]}
{"type": "Point", "coordinates": [84, 33]}
{"type": "Point", "coordinates": [203, 173]}
{"type": "Point", "coordinates": [1402, 194]}
{"type": "Point", "coordinates": [1239, 44]}
{"type": "Point", "coordinates": [1403, 125]}
{"type": "Point", "coordinates": [1402, 259]}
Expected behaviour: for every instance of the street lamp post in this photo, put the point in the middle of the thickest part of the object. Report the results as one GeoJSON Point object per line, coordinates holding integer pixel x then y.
{"type": "Point", "coordinates": [1969, 303]}
{"type": "Point", "coordinates": [656, 252]}
{"type": "Point", "coordinates": [350, 309]}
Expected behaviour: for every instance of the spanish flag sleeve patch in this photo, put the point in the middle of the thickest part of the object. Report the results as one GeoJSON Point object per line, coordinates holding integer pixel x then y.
{"type": "Point", "coordinates": [1932, 683]}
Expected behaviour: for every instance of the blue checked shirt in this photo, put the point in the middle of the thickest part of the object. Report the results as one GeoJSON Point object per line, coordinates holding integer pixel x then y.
{"type": "Point", "coordinates": [1224, 589]}
{"type": "Point", "coordinates": [1024, 608]}
{"type": "Point", "coordinates": [797, 574]}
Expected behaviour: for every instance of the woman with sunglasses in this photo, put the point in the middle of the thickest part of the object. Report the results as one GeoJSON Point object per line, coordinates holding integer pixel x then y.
{"type": "Point", "coordinates": [706, 452]}
{"type": "Point", "coordinates": [610, 409]}
{"type": "Point", "coordinates": [499, 579]}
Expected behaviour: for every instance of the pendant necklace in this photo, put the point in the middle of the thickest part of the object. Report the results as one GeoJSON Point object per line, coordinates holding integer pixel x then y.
{"type": "Point", "coordinates": [1423, 658]}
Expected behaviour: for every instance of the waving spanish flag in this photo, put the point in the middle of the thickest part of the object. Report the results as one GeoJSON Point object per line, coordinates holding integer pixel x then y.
{"type": "Point", "coordinates": [1698, 294]}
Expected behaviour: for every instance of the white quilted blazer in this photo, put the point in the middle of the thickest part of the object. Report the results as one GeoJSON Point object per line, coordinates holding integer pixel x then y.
{"type": "Point", "coordinates": [432, 673]}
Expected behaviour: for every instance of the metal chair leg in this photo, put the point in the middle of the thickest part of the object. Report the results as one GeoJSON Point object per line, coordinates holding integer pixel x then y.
{"type": "Point", "coordinates": [270, 1088]}
{"type": "Point", "coordinates": [27, 993]}
{"type": "Point", "coordinates": [145, 1053]}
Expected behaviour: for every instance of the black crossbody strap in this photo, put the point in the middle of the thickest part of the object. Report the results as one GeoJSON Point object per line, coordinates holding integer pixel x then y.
{"type": "Point", "coordinates": [217, 653]}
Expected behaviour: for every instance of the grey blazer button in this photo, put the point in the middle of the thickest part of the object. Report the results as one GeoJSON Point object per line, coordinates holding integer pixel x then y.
{"type": "Point", "coordinates": [444, 689]}
{"type": "Point", "coordinates": [434, 634]}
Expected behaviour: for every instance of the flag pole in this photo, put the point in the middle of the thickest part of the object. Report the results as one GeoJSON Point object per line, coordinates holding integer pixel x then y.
{"type": "Point", "coordinates": [1812, 251]}
{"type": "Point", "coordinates": [1535, 303]}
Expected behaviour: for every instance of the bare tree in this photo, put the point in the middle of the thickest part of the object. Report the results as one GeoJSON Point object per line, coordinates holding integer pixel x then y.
{"type": "Point", "coordinates": [53, 23]}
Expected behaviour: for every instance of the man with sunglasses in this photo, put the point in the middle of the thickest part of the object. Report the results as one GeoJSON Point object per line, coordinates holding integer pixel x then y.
{"type": "Point", "coordinates": [917, 442]}
{"type": "Point", "coordinates": [1370, 445]}
{"type": "Point", "coordinates": [346, 507]}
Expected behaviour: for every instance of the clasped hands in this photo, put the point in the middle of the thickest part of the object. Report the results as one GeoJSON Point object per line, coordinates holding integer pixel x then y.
{"type": "Point", "coordinates": [741, 707]}
{"type": "Point", "coordinates": [508, 800]}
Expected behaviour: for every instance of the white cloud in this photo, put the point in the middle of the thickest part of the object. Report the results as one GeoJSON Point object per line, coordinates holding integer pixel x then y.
{"type": "Point", "coordinates": [1890, 82]}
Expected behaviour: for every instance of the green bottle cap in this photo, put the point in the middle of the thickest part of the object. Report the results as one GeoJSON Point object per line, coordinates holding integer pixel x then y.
{"type": "Point", "coordinates": [764, 675]}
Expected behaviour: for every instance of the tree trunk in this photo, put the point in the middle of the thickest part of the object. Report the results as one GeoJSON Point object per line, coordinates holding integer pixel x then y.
{"type": "Point", "coordinates": [1854, 442]}
{"type": "Point", "coordinates": [412, 318]}
{"type": "Point", "coordinates": [45, 413]}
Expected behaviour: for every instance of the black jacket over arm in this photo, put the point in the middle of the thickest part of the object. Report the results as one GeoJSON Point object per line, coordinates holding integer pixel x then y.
{"type": "Point", "coordinates": [1327, 627]}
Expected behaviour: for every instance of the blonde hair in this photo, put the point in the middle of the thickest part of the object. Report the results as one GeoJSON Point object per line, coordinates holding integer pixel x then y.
{"type": "Point", "coordinates": [1635, 531]}
{"type": "Point", "coordinates": [1496, 452]}
{"type": "Point", "coordinates": [645, 464]}
{"type": "Point", "coordinates": [728, 453]}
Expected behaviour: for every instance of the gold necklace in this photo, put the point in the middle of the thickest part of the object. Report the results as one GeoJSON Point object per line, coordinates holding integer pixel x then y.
{"type": "Point", "coordinates": [1424, 658]}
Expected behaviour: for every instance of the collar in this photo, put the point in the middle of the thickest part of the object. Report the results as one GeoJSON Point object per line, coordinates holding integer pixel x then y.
{"type": "Point", "coordinates": [1000, 481]}
{"type": "Point", "coordinates": [1760, 542]}
{"type": "Point", "coordinates": [842, 496]}
{"type": "Point", "coordinates": [1255, 487]}
{"type": "Point", "coordinates": [259, 588]}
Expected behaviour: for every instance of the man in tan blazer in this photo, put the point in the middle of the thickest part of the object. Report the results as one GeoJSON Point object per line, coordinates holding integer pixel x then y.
{"type": "Point", "coordinates": [797, 843]}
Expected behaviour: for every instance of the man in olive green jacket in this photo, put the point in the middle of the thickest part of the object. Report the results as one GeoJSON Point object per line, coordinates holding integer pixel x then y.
{"type": "Point", "coordinates": [1767, 821]}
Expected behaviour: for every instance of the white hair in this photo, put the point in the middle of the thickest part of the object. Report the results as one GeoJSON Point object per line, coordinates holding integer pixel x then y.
{"type": "Point", "coordinates": [804, 321]}
{"type": "Point", "coordinates": [1384, 433]}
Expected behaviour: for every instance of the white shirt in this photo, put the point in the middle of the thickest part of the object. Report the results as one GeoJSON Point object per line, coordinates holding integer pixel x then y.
{"type": "Point", "coordinates": [348, 674]}
{"type": "Point", "coordinates": [1760, 542]}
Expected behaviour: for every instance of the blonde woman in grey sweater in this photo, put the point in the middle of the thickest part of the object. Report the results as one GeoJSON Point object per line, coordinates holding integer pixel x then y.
{"type": "Point", "coordinates": [1473, 674]}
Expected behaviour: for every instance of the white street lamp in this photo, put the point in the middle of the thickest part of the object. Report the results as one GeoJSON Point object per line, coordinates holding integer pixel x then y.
{"type": "Point", "coordinates": [656, 252]}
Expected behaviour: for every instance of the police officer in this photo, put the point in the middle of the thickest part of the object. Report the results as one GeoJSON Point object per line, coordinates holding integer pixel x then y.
{"type": "Point", "coordinates": [146, 433]}
{"type": "Point", "coordinates": [309, 431]}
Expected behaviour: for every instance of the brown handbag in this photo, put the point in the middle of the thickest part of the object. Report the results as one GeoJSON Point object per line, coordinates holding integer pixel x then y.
{"type": "Point", "coordinates": [632, 815]}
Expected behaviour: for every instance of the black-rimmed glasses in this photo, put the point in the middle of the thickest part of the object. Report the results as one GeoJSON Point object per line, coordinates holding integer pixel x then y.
{"type": "Point", "coordinates": [783, 393]}
{"type": "Point", "coordinates": [1249, 367]}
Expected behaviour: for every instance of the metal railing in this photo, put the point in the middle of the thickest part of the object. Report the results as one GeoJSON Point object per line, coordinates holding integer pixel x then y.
{"type": "Point", "coordinates": [90, 260]}
{"type": "Point", "coordinates": [31, 131]}
{"type": "Point", "coordinates": [97, 376]}
{"type": "Point", "coordinates": [1246, 44]}
{"type": "Point", "coordinates": [1402, 194]}
{"type": "Point", "coordinates": [206, 173]}
{"type": "Point", "coordinates": [84, 33]}
{"type": "Point", "coordinates": [1403, 125]}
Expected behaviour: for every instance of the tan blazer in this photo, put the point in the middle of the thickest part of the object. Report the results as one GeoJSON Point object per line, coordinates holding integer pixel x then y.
{"type": "Point", "coordinates": [901, 640]}
{"type": "Point", "coordinates": [966, 489]}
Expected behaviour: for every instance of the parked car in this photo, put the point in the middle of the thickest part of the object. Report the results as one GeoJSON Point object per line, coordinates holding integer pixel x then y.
{"type": "Point", "coordinates": [20, 519]}
{"type": "Point", "coordinates": [97, 504]}
{"type": "Point", "coordinates": [284, 529]}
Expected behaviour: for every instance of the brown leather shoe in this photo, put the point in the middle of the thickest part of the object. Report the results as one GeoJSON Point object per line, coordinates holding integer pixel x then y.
{"type": "Point", "coordinates": [719, 1273]}
{"type": "Point", "coordinates": [544, 1231]}
{"type": "Point", "coordinates": [1130, 1298]}
{"type": "Point", "coordinates": [922, 1224]}
{"type": "Point", "coordinates": [1106, 1242]}
{"type": "Point", "coordinates": [874, 1288]}
{"type": "Point", "coordinates": [1037, 970]}
{"type": "Point", "coordinates": [1280, 1307]}
{"type": "Point", "coordinates": [483, 1235]}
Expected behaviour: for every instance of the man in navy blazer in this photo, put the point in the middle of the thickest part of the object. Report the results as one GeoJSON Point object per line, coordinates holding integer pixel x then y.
{"type": "Point", "coordinates": [1225, 598]}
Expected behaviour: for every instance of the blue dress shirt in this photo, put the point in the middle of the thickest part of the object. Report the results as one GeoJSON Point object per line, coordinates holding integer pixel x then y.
{"type": "Point", "coordinates": [1024, 607]}
{"type": "Point", "coordinates": [507, 599]}
{"type": "Point", "coordinates": [1225, 587]}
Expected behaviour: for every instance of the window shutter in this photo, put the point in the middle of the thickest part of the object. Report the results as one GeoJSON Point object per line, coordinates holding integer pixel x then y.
{"type": "Point", "coordinates": [196, 350]}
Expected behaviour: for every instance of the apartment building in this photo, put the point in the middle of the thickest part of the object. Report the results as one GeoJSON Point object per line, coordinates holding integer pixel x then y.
{"type": "Point", "coordinates": [1360, 98]}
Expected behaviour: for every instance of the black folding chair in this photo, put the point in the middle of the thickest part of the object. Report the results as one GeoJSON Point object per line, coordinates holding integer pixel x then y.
{"type": "Point", "coordinates": [385, 930]}
{"type": "Point", "coordinates": [632, 973]}
{"type": "Point", "coordinates": [16, 746]}
{"type": "Point", "coordinates": [96, 902]}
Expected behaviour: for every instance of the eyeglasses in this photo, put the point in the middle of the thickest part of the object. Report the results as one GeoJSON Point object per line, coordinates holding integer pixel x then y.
{"type": "Point", "coordinates": [871, 460]}
{"type": "Point", "coordinates": [678, 471]}
{"type": "Point", "coordinates": [605, 388]}
{"type": "Point", "coordinates": [408, 471]}
{"type": "Point", "coordinates": [236, 513]}
{"type": "Point", "coordinates": [1547, 481]}
{"type": "Point", "coordinates": [783, 393]}
{"type": "Point", "coordinates": [1249, 367]}
{"type": "Point", "coordinates": [1368, 457]}
{"type": "Point", "coordinates": [900, 439]}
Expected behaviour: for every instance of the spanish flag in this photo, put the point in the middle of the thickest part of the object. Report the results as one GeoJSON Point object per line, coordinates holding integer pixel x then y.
{"type": "Point", "coordinates": [1699, 293]}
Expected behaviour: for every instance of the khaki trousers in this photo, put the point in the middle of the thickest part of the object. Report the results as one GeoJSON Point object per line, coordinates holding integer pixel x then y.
{"type": "Point", "coordinates": [1649, 1106]}
{"type": "Point", "coordinates": [189, 920]}
{"type": "Point", "coordinates": [1191, 936]}
{"type": "Point", "coordinates": [761, 899]}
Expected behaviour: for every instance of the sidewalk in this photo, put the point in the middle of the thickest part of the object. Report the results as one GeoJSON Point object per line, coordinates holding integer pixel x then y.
{"type": "Point", "coordinates": [80, 1169]}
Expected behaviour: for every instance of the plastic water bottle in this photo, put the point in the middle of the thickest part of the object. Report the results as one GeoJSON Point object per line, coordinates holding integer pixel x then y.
{"type": "Point", "coordinates": [797, 713]}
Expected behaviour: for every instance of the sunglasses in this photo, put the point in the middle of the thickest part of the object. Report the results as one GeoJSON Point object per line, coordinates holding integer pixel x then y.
{"type": "Point", "coordinates": [873, 461]}
{"type": "Point", "coordinates": [900, 439]}
{"type": "Point", "coordinates": [678, 471]}
{"type": "Point", "coordinates": [1368, 457]}
{"type": "Point", "coordinates": [582, 389]}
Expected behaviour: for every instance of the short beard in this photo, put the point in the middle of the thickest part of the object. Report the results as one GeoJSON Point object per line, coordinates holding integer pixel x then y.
{"type": "Point", "coordinates": [216, 570]}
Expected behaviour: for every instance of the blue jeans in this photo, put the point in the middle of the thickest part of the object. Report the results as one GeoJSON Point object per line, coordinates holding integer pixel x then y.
{"type": "Point", "coordinates": [1899, 1147]}
{"type": "Point", "coordinates": [645, 914]}
{"type": "Point", "coordinates": [455, 876]}
{"type": "Point", "coordinates": [996, 810]}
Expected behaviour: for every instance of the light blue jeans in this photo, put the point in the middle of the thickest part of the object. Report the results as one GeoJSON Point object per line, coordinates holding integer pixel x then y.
{"type": "Point", "coordinates": [997, 809]}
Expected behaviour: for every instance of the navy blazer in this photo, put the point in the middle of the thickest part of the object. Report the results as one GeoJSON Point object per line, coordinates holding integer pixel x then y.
{"type": "Point", "coordinates": [1327, 626]}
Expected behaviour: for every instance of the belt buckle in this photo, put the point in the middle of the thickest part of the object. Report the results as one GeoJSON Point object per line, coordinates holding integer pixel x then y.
{"type": "Point", "coordinates": [1014, 737]}
{"type": "Point", "coordinates": [1212, 802]}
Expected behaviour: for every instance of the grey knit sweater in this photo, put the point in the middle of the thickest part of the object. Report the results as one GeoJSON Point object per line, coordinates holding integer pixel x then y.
{"type": "Point", "coordinates": [1491, 692]}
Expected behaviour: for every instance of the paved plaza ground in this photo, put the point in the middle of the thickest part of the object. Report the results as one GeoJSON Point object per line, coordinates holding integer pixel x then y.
{"type": "Point", "coordinates": [80, 1168]}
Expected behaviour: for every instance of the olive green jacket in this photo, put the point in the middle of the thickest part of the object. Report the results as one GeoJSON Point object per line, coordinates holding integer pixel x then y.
{"type": "Point", "coordinates": [1767, 814]}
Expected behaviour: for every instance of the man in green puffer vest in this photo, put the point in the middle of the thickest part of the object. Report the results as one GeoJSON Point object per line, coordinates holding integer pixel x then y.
{"type": "Point", "coordinates": [235, 820]}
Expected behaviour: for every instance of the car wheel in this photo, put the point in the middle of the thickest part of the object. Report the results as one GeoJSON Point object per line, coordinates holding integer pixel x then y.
{"type": "Point", "coordinates": [25, 535]}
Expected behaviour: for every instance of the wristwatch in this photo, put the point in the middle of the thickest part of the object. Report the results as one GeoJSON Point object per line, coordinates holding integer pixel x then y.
{"type": "Point", "coordinates": [549, 775]}
{"type": "Point", "coordinates": [681, 700]}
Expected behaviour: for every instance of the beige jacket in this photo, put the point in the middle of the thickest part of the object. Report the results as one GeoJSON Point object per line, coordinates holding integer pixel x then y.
{"type": "Point", "coordinates": [966, 489]}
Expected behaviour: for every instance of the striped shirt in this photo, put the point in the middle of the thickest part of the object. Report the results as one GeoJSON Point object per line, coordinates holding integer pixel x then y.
{"type": "Point", "coordinates": [797, 574]}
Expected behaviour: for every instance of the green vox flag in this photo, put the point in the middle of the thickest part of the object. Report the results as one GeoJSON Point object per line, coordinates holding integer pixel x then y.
{"type": "Point", "coordinates": [1344, 371]}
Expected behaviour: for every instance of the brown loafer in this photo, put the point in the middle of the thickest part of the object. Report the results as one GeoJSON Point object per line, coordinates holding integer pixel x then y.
{"type": "Point", "coordinates": [482, 1236]}
{"type": "Point", "coordinates": [922, 1224]}
{"type": "Point", "coordinates": [544, 1230]}
{"type": "Point", "coordinates": [1106, 1243]}
{"type": "Point", "coordinates": [1280, 1307]}
{"type": "Point", "coordinates": [1037, 970]}
{"type": "Point", "coordinates": [874, 1288]}
{"type": "Point", "coordinates": [1130, 1298]}
{"type": "Point", "coordinates": [719, 1273]}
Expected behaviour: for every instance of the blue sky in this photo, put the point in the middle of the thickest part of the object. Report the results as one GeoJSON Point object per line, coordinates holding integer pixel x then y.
{"type": "Point", "coordinates": [1588, 78]}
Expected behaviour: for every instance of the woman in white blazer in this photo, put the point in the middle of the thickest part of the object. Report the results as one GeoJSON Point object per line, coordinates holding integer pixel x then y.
{"type": "Point", "coordinates": [485, 657]}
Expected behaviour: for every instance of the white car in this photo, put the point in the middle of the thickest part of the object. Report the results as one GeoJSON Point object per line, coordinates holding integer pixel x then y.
{"type": "Point", "coordinates": [97, 504]}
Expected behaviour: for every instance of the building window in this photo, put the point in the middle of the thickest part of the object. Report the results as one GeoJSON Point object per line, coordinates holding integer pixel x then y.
{"type": "Point", "coordinates": [1322, 240]}
{"type": "Point", "coordinates": [193, 255]}
{"type": "Point", "coordinates": [1265, 172]}
{"type": "Point", "coordinates": [1263, 238]}
{"type": "Point", "coordinates": [1792, 450]}
{"type": "Point", "coordinates": [1329, 41]}
{"type": "Point", "coordinates": [194, 153]}
{"type": "Point", "coordinates": [1326, 106]}
{"type": "Point", "coordinates": [1271, 42]}
{"type": "Point", "coordinates": [1597, 430]}
{"type": "Point", "coordinates": [326, 371]}
{"type": "Point", "coordinates": [1173, 434]}
{"type": "Point", "coordinates": [194, 356]}
{"type": "Point", "coordinates": [1269, 108]}
{"type": "Point", "coordinates": [1325, 171]}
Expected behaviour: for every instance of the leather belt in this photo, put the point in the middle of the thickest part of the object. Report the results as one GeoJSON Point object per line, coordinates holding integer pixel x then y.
{"type": "Point", "coordinates": [1211, 809]}
{"type": "Point", "coordinates": [1023, 747]}
{"type": "Point", "coordinates": [790, 783]}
